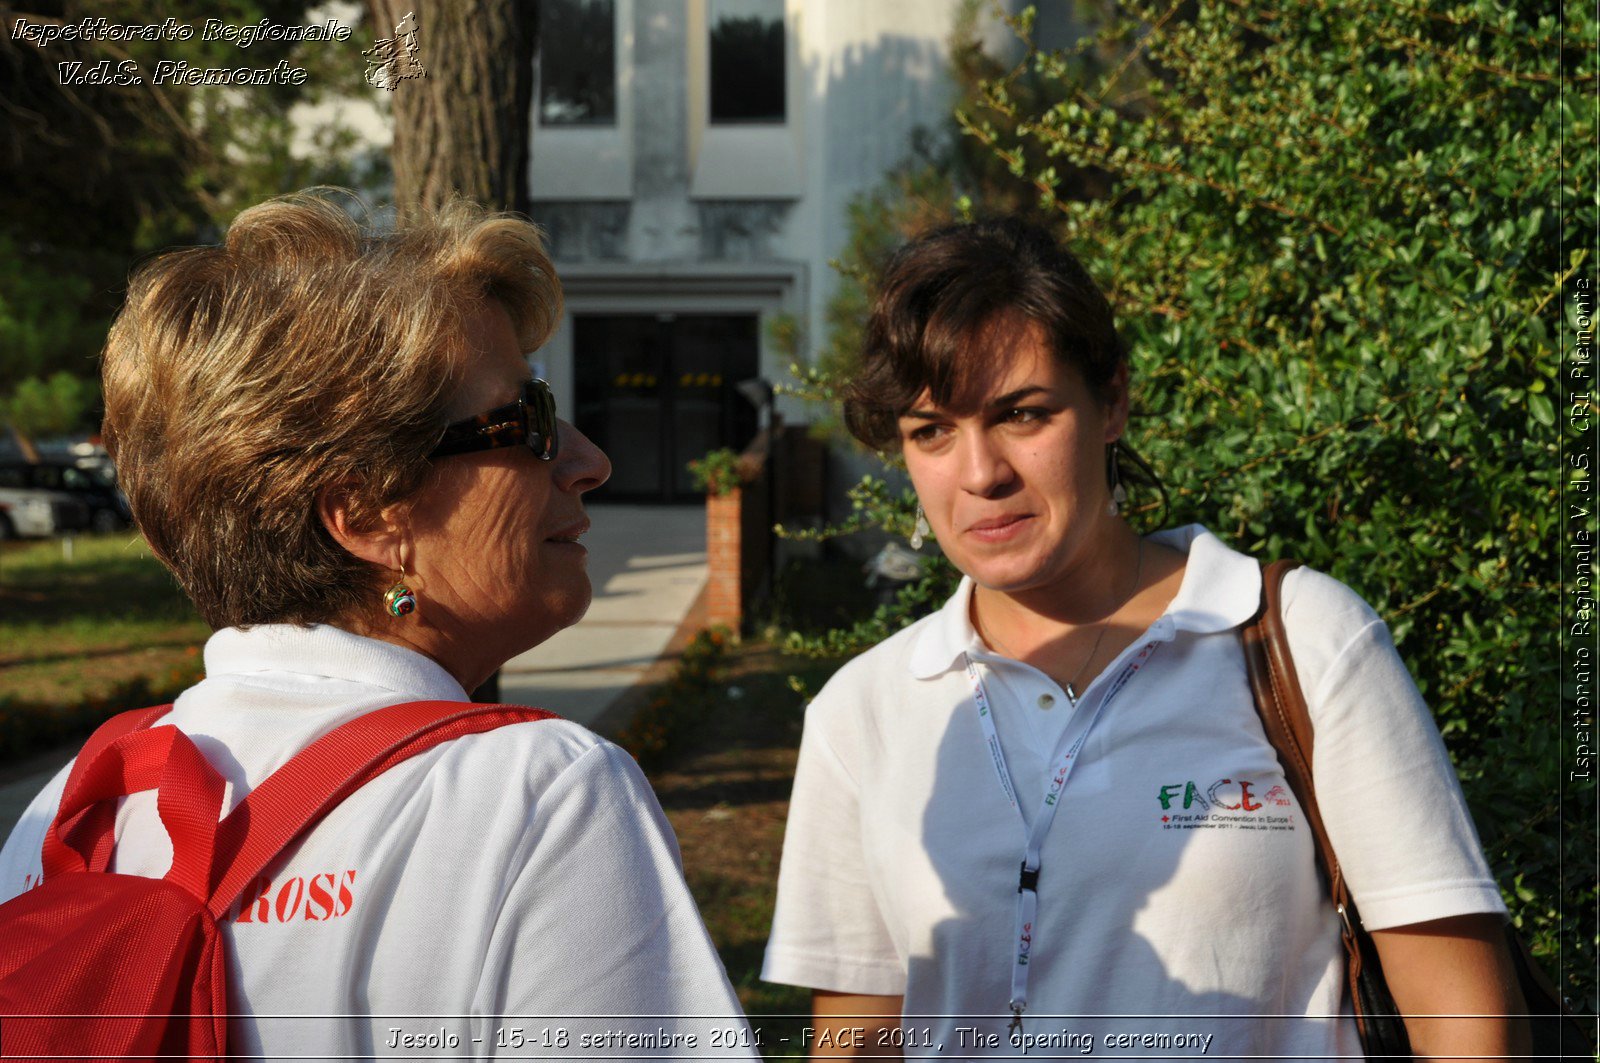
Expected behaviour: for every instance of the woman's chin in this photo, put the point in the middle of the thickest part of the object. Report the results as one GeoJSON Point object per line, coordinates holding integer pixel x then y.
{"type": "Point", "coordinates": [565, 609]}
{"type": "Point", "coordinates": [1004, 574]}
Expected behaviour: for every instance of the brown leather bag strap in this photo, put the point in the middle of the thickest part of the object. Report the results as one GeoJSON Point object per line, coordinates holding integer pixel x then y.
{"type": "Point", "coordinates": [1281, 703]}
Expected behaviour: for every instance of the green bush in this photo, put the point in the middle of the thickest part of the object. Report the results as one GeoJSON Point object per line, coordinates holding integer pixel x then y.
{"type": "Point", "coordinates": [1333, 233]}
{"type": "Point", "coordinates": [50, 406]}
{"type": "Point", "coordinates": [676, 705]}
{"type": "Point", "coordinates": [718, 473]}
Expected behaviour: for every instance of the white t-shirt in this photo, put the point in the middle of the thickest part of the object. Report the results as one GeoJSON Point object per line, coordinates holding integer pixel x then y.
{"type": "Point", "coordinates": [478, 899]}
{"type": "Point", "coordinates": [1177, 887]}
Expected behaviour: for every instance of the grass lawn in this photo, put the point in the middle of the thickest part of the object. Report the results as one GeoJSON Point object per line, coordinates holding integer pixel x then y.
{"type": "Point", "coordinates": [80, 638]}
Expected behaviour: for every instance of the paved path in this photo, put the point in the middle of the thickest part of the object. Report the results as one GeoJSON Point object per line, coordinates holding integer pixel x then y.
{"type": "Point", "coordinates": [648, 568]}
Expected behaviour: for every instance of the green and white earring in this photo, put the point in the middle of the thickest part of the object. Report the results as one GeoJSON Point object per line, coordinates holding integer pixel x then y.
{"type": "Point", "coordinates": [400, 599]}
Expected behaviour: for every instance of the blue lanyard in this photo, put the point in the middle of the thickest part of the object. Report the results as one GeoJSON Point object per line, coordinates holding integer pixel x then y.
{"type": "Point", "coordinates": [1028, 880]}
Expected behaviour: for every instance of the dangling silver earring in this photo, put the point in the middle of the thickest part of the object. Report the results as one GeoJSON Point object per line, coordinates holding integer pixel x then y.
{"type": "Point", "coordinates": [919, 531]}
{"type": "Point", "coordinates": [1114, 478]}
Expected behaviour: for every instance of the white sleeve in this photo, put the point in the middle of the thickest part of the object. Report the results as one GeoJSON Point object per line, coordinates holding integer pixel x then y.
{"type": "Point", "coordinates": [828, 931]}
{"type": "Point", "coordinates": [1388, 792]}
{"type": "Point", "coordinates": [597, 930]}
{"type": "Point", "coordinates": [21, 860]}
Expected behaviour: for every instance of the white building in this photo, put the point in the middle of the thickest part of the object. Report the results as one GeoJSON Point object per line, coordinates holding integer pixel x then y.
{"type": "Point", "coordinates": [692, 165]}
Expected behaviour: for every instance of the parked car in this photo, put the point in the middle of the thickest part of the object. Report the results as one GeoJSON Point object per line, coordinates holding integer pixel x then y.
{"type": "Point", "coordinates": [28, 506]}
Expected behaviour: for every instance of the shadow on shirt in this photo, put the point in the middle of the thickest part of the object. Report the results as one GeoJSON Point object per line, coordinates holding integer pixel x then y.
{"type": "Point", "coordinates": [1181, 931]}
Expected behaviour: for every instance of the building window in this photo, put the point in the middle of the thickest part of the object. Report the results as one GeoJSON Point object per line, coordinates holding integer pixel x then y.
{"type": "Point", "coordinates": [747, 67]}
{"type": "Point", "coordinates": [577, 62]}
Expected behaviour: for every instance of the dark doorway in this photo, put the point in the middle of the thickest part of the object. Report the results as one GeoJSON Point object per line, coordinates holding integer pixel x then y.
{"type": "Point", "coordinates": [657, 390]}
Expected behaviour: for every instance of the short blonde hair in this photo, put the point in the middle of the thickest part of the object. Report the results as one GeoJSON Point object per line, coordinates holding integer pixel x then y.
{"type": "Point", "coordinates": [303, 352]}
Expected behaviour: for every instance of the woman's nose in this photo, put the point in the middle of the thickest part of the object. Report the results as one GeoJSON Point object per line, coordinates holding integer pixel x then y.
{"type": "Point", "coordinates": [580, 466]}
{"type": "Point", "coordinates": [984, 468]}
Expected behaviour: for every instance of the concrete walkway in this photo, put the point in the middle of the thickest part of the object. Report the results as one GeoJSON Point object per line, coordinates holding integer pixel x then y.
{"type": "Point", "coordinates": [648, 568]}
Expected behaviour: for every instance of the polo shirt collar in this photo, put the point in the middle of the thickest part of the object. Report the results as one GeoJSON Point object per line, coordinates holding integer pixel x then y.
{"type": "Point", "coordinates": [947, 635]}
{"type": "Point", "coordinates": [1220, 591]}
{"type": "Point", "coordinates": [1221, 587]}
{"type": "Point", "coordinates": [321, 651]}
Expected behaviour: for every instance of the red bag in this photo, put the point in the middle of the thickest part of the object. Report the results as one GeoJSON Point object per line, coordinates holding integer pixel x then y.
{"type": "Point", "coordinates": [94, 963]}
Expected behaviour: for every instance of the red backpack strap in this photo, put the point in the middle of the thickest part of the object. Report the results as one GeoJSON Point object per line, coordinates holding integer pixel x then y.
{"type": "Point", "coordinates": [189, 799]}
{"type": "Point", "coordinates": [97, 820]}
{"type": "Point", "coordinates": [120, 724]}
{"type": "Point", "coordinates": [297, 795]}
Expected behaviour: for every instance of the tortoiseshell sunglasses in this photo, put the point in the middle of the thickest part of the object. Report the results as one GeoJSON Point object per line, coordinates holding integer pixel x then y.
{"type": "Point", "coordinates": [530, 422]}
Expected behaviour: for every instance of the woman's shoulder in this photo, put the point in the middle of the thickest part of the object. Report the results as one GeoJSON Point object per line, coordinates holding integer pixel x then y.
{"type": "Point", "coordinates": [885, 688]}
{"type": "Point", "coordinates": [1331, 629]}
{"type": "Point", "coordinates": [891, 662]}
{"type": "Point", "coordinates": [507, 789]}
{"type": "Point", "coordinates": [1315, 603]}
{"type": "Point", "coordinates": [534, 756]}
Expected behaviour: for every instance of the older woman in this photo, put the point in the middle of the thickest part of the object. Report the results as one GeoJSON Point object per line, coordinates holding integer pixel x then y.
{"type": "Point", "coordinates": [332, 440]}
{"type": "Point", "coordinates": [1049, 809]}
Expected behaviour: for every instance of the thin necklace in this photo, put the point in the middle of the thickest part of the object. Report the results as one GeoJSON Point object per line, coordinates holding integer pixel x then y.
{"type": "Point", "coordinates": [1105, 624]}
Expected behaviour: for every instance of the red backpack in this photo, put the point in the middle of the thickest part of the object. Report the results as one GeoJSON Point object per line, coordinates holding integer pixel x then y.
{"type": "Point", "coordinates": [94, 963]}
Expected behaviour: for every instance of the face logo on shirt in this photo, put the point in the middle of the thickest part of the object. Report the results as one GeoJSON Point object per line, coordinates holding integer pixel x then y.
{"type": "Point", "coordinates": [303, 898]}
{"type": "Point", "coordinates": [1228, 802]}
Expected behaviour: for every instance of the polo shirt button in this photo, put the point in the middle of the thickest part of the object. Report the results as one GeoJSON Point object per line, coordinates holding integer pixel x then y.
{"type": "Point", "coordinates": [1046, 701]}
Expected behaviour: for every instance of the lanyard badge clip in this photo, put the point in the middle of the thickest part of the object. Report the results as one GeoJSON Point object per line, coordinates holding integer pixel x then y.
{"type": "Point", "coordinates": [1027, 899]}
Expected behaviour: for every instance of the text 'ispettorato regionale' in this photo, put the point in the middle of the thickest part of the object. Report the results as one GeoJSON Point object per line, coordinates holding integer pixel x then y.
{"type": "Point", "coordinates": [175, 71]}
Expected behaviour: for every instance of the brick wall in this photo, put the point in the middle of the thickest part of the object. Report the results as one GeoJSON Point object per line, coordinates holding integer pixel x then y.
{"type": "Point", "coordinates": [739, 540]}
{"type": "Point", "coordinates": [724, 535]}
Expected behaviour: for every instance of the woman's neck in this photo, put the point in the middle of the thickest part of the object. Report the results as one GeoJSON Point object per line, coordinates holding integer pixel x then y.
{"type": "Point", "coordinates": [1073, 626]}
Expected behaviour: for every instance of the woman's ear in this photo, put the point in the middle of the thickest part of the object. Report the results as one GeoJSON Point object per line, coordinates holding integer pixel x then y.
{"type": "Point", "coordinates": [1117, 407]}
{"type": "Point", "coordinates": [379, 541]}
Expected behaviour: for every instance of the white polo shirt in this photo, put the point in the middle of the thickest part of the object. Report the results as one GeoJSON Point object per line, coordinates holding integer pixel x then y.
{"type": "Point", "coordinates": [479, 899]}
{"type": "Point", "coordinates": [1177, 890]}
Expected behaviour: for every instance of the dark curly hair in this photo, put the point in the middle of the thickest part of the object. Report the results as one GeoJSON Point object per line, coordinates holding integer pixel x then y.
{"type": "Point", "coordinates": [941, 292]}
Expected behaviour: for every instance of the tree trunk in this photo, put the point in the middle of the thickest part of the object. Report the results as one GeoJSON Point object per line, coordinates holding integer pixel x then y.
{"type": "Point", "coordinates": [464, 126]}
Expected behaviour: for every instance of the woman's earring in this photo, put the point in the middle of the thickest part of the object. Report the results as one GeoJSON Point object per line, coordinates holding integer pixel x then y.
{"type": "Point", "coordinates": [1114, 477]}
{"type": "Point", "coordinates": [400, 600]}
{"type": "Point", "coordinates": [919, 531]}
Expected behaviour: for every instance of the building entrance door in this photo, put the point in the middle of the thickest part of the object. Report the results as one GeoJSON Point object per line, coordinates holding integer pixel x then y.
{"type": "Point", "coordinates": [657, 390]}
